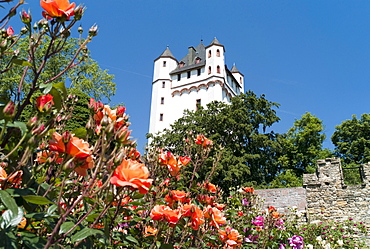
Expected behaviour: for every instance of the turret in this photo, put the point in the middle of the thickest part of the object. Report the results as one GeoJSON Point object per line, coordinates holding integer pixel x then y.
{"type": "Point", "coordinates": [238, 76]}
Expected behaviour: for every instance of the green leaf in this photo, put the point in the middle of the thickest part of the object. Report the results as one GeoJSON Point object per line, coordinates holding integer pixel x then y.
{"type": "Point", "coordinates": [132, 239]}
{"type": "Point", "coordinates": [10, 219]}
{"type": "Point", "coordinates": [20, 125]}
{"type": "Point", "coordinates": [56, 98]}
{"type": "Point", "coordinates": [32, 241]}
{"type": "Point", "coordinates": [84, 233]}
{"type": "Point", "coordinates": [66, 226]}
{"type": "Point", "coordinates": [9, 202]}
{"type": "Point", "coordinates": [60, 86]}
{"type": "Point", "coordinates": [21, 62]}
{"type": "Point", "coordinates": [46, 87]}
{"type": "Point", "coordinates": [39, 200]}
{"type": "Point", "coordinates": [137, 195]}
{"type": "Point", "coordinates": [80, 132]}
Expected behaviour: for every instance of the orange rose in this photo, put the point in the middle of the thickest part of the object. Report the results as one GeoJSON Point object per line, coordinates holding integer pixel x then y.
{"type": "Point", "coordinates": [210, 187]}
{"type": "Point", "coordinates": [57, 8]}
{"type": "Point", "coordinates": [230, 236]}
{"type": "Point", "coordinates": [195, 213]}
{"type": "Point", "coordinates": [216, 216]}
{"type": "Point", "coordinates": [87, 163]}
{"type": "Point", "coordinates": [176, 195]}
{"type": "Point", "coordinates": [249, 190]}
{"type": "Point", "coordinates": [184, 160]}
{"type": "Point", "coordinates": [163, 212]}
{"type": "Point", "coordinates": [78, 148]}
{"type": "Point", "coordinates": [202, 140]}
{"type": "Point", "coordinates": [133, 174]}
{"type": "Point", "coordinates": [150, 231]}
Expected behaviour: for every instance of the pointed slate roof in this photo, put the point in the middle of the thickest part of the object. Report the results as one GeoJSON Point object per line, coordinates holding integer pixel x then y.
{"type": "Point", "coordinates": [166, 53]}
{"type": "Point", "coordinates": [215, 42]}
{"type": "Point", "coordinates": [234, 69]}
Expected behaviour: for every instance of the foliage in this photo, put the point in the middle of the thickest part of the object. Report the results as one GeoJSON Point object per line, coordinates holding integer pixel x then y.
{"type": "Point", "coordinates": [240, 130]}
{"type": "Point", "coordinates": [352, 140]}
{"type": "Point", "coordinates": [303, 144]}
{"type": "Point", "coordinates": [84, 74]}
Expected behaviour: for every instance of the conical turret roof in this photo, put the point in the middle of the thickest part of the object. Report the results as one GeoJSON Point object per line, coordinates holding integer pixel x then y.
{"type": "Point", "coordinates": [234, 69]}
{"type": "Point", "coordinates": [166, 53]}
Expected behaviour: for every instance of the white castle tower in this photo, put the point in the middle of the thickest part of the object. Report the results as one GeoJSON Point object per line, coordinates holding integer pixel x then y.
{"type": "Point", "coordinates": [198, 79]}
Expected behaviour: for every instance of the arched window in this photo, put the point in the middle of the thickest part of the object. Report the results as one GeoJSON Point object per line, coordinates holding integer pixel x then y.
{"type": "Point", "coordinates": [209, 53]}
{"type": "Point", "coordinates": [163, 84]}
{"type": "Point", "coordinates": [241, 80]}
{"type": "Point", "coordinates": [218, 53]}
{"type": "Point", "coordinates": [164, 63]}
{"type": "Point", "coordinates": [209, 70]}
{"type": "Point", "coordinates": [162, 100]}
{"type": "Point", "coordinates": [218, 69]}
{"type": "Point", "coordinates": [161, 117]}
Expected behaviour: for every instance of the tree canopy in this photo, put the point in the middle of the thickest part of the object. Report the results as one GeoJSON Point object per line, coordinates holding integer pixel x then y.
{"type": "Point", "coordinates": [352, 140]}
{"type": "Point", "coordinates": [249, 151]}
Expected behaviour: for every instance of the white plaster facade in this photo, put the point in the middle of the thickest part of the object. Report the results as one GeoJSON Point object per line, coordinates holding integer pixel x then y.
{"type": "Point", "coordinates": [199, 78]}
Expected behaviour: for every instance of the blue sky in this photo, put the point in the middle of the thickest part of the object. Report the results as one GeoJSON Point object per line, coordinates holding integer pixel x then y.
{"type": "Point", "coordinates": [308, 56]}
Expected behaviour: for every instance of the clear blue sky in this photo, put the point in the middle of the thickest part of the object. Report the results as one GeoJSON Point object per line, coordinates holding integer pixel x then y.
{"type": "Point", "coordinates": [308, 56]}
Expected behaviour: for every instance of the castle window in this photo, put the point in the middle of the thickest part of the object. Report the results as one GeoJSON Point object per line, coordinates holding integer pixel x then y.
{"type": "Point", "coordinates": [209, 54]}
{"type": "Point", "coordinates": [179, 77]}
{"type": "Point", "coordinates": [162, 100]}
{"type": "Point", "coordinates": [218, 53]}
{"type": "Point", "coordinates": [198, 71]}
{"type": "Point", "coordinates": [161, 117]}
{"type": "Point", "coordinates": [218, 69]}
{"type": "Point", "coordinates": [164, 63]}
{"type": "Point", "coordinates": [198, 103]}
{"type": "Point", "coordinates": [163, 84]}
{"type": "Point", "coordinates": [189, 74]}
{"type": "Point", "coordinates": [209, 70]}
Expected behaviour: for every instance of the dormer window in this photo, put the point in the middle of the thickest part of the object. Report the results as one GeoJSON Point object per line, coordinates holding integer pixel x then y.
{"type": "Point", "coordinates": [197, 60]}
{"type": "Point", "coordinates": [182, 64]}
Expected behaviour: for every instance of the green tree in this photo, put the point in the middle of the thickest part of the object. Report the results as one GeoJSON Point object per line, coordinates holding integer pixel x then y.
{"type": "Point", "coordinates": [249, 152]}
{"type": "Point", "coordinates": [303, 145]}
{"type": "Point", "coordinates": [84, 74]}
{"type": "Point", "coordinates": [352, 140]}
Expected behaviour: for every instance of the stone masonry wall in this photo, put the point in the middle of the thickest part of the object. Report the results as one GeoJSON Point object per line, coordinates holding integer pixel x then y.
{"type": "Point", "coordinates": [328, 198]}
{"type": "Point", "coordinates": [283, 198]}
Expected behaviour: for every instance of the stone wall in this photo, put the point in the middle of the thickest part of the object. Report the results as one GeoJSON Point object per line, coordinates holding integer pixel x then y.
{"type": "Point", "coordinates": [283, 198]}
{"type": "Point", "coordinates": [328, 198]}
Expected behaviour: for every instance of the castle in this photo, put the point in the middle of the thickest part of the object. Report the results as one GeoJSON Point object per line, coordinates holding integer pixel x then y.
{"type": "Point", "coordinates": [197, 79]}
